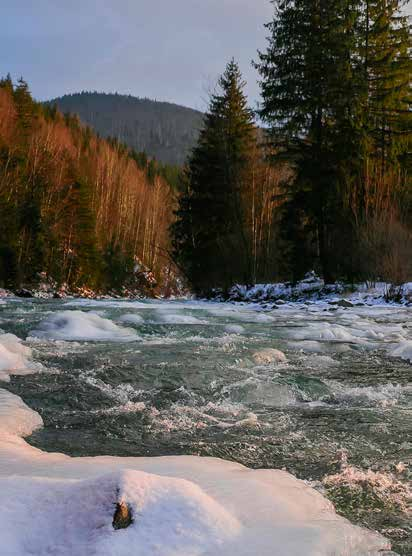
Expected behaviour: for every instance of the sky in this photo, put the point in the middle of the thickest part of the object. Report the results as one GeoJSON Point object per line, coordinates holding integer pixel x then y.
{"type": "Point", "coordinates": [170, 50]}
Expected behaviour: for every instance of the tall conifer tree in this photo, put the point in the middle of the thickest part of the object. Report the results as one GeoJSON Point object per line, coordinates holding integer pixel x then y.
{"type": "Point", "coordinates": [209, 236]}
{"type": "Point", "coordinates": [336, 92]}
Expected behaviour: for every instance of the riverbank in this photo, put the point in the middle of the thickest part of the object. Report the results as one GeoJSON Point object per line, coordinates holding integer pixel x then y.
{"type": "Point", "coordinates": [313, 288]}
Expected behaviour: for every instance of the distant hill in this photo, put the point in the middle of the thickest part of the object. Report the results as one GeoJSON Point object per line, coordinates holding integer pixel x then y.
{"type": "Point", "coordinates": [161, 129]}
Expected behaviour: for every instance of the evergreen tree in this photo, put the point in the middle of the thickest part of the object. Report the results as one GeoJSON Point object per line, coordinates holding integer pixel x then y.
{"type": "Point", "coordinates": [386, 51]}
{"type": "Point", "coordinates": [86, 263]}
{"type": "Point", "coordinates": [26, 109]}
{"type": "Point", "coordinates": [310, 101]}
{"type": "Point", "coordinates": [209, 236]}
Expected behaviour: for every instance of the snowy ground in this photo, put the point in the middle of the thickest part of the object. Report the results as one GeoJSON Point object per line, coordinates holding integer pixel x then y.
{"type": "Point", "coordinates": [313, 288]}
{"type": "Point", "coordinates": [52, 504]}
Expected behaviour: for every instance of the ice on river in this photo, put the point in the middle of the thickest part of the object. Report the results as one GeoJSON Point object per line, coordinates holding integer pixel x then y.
{"type": "Point", "coordinates": [53, 504]}
{"type": "Point", "coordinates": [79, 325]}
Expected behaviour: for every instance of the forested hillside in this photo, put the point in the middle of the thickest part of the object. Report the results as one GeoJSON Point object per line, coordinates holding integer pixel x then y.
{"type": "Point", "coordinates": [163, 130]}
{"type": "Point", "coordinates": [83, 210]}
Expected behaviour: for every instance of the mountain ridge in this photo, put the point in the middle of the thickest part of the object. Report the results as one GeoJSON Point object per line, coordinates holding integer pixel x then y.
{"type": "Point", "coordinates": [164, 130]}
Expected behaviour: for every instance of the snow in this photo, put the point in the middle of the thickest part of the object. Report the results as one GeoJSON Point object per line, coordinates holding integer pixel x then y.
{"type": "Point", "coordinates": [168, 317]}
{"type": "Point", "coordinates": [79, 325]}
{"type": "Point", "coordinates": [14, 357]}
{"type": "Point", "coordinates": [172, 516]}
{"type": "Point", "coordinates": [16, 418]}
{"type": "Point", "coordinates": [313, 287]}
{"type": "Point", "coordinates": [268, 356]}
{"type": "Point", "coordinates": [234, 329]}
{"type": "Point", "coordinates": [132, 318]}
{"type": "Point", "coordinates": [181, 506]}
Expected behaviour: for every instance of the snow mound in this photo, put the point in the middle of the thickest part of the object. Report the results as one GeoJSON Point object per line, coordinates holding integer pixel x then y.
{"type": "Point", "coordinates": [170, 516]}
{"type": "Point", "coordinates": [14, 357]}
{"type": "Point", "coordinates": [132, 318]}
{"type": "Point", "coordinates": [268, 356]}
{"type": "Point", "coordinates": [79, 325]}
{"type": "Point", "coordinates": [16, 418]}
{"type": "Point", "coordinates": [181, 506]}
{"type": "Point", "coordinates": [234, 329]}
{"type": "Point", "coordinates": [166, 317]}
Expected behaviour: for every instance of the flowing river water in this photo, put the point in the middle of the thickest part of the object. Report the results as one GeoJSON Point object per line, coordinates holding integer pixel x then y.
{"type": "Point", "coordinates": [148, 378]}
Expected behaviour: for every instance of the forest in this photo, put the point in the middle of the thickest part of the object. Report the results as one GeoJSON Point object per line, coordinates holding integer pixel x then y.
{"type": "Point", "coordinates": [316, 178]}
{"type": "Point", "coordinates": [327, 185]}
{"type": "Point", "coordinates": [84, 211]}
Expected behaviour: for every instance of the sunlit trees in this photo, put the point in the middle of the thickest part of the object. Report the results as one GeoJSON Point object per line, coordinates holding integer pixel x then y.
{"type": "Point", "coordinates": [71, 204]}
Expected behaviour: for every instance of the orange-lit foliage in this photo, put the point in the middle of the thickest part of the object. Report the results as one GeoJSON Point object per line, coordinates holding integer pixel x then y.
{"type": "Point", "coordinates": [71, 204]}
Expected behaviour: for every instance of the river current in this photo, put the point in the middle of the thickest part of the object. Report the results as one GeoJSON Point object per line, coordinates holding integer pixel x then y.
{"type": "Point", "coordinates": [148, 378]}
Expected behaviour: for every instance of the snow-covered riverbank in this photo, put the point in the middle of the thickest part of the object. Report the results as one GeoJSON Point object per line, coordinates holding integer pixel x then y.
{"type": "Point", "coordinates": [53, 504]}
{"type": "Point", "coordinates": [313, 288]}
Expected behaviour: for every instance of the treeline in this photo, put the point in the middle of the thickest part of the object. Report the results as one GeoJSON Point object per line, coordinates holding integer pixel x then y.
{"type": "Point", "coordinates": [84, 210]}
{"type": "Point", "coordinates": [327, 185]}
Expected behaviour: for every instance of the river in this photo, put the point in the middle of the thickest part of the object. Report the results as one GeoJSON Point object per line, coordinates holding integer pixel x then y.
{"type": "Point", "coordinates": [313, 388]}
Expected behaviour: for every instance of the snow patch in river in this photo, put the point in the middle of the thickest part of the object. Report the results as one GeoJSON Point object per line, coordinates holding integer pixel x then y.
{"type": "Point", "coordinates": [15, 358]}
{"type": "Point", "coordinates": [168, 317]}
{"type": "Point", "coordinates": [234, 329]}
{"type": "Point", "coordinates": [82, 326]}
{"type": "Point", "coordinates": [132, 318]}
{"type": "Point", "coordinates": [269, 356]}
{"type": "Point", "coordinates": [16, 418]}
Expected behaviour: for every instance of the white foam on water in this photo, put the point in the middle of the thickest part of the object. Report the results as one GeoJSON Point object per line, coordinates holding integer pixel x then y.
{"type": "Point", "coordinates": [82, 326]}
{"type": "Point", "coordinates": [180, 417]}
{"type": "Point", "coordinates": [384, 395]}
{"type": "Point", "coordinates": [402, 350]}
{"type": "Point", "coordinates": [15, 358]}
{"type": "Point", "coordinates": [385, 486]}
{"type": "Point", "coordinates": [121, 393]}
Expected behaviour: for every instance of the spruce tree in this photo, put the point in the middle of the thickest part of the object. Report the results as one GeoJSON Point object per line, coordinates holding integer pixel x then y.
{"type": "Point", "coordinates": [386, 52]}
{"type": "Point", "coordinates": [209, 236]}
{"type": "Point", "coordinates": [311, 103]}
